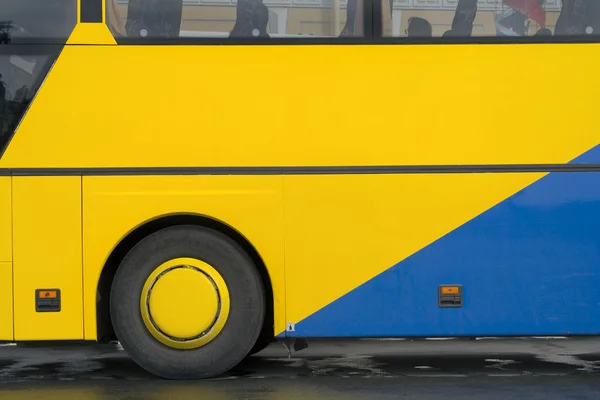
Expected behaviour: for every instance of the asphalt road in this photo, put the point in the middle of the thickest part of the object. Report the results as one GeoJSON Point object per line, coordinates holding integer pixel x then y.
{"type": "Point", "coordinates": [520, 369]}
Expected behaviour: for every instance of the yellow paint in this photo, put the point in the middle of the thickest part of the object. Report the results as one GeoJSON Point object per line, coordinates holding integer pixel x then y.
{"type": "Point", "coordinates": [313, 105]}
{"type": "Point", "coordinates": [5, 219]}
{"type": "Point", "coordinates": [342, 231]}
{"type": "Point", "coordinates": [164, 106]}
{"type": "Point", "coordinates": [185, 303]}
{"type": "Point", "coordinates": [62, 393]}
{"type": "Point", "coordinates": [114, 206]}
{"type": "Point", "coordinates": [91, 33]}
{"type": "Point", "coordinates": [6, 302]}
{"type": "Point", "coordinates": [217, 392]}
{"type": "Point", "coordinates": [47, 255]}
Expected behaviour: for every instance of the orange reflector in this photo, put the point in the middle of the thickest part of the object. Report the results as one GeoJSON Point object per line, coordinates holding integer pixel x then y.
{"type": "Point", "coordinates": [450, 290]}
{"type": "Point", "coordinates": [47, 294]}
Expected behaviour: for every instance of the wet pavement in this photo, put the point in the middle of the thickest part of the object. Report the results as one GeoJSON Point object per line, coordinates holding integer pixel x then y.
{"type": "Point", "coordinates": [365, 369]}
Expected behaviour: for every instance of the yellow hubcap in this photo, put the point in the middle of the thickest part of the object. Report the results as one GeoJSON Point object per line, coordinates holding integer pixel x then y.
{"type": "Point", "coordinates": [184, 303]}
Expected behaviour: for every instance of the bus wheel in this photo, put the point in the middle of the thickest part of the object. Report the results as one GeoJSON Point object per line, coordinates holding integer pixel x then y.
{"type": "Point", "coordinates": [187, 303]}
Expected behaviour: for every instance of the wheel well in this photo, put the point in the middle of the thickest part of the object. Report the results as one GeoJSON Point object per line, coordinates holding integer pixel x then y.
{"type": "Point", "coordinates": [105, 331]}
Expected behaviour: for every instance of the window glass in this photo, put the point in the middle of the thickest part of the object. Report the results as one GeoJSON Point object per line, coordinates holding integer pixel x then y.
{"type": "Point", "coordinates": [37, 21]}
{"type": "Point", "coordinates": [492, 18]}
{"type": "Point", "coordinates": [20, 78]}
{"type": "Point", "coordinates": [153, 19]}
{"type": "Point", "coordinates": [22, 70]}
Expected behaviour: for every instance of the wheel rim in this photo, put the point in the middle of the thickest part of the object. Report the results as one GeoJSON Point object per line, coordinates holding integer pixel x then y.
{"type": "Point", "coordinates": [184, 303]}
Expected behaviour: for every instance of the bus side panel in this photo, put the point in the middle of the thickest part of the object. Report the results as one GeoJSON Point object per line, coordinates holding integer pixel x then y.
{"type": "Point", "coordinates": [5, 219]}
{"type": "Point", "coordinates": [116, 205]}
{"type": "Point", "coordinates": [429, 111]}
{"type": "Point", "coordinates": [342, 230]}
{"type": "Point", "coordinates": [366, 254]}
{"type": "Point", "coordinates": [6, 302]}
{"type": "Point", "coordinates": [47, 255]}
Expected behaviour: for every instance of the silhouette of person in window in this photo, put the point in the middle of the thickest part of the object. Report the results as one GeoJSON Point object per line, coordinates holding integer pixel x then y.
{"type": "Point", "coordinates": [418, 27]}
{"type": "Point", "coordinates": [252, 18]}
{"type": "Point", "coordinates": [578, 17]}
{"type": "Point", "coordinates": [260, 20]}
{"type": "Point", "coordinates": [544, 32]}
{"type": "Point", "coordinates": [464, 16]}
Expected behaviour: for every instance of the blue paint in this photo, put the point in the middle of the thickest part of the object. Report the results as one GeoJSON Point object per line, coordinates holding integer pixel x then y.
{"type": "Point", "coordinates": [529, 266]}
{"type": "Point", "coordinates": [591, 156]}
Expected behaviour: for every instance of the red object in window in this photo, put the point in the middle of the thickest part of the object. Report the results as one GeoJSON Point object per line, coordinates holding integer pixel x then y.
{"type": "Point", "coordinates": [532, 8]}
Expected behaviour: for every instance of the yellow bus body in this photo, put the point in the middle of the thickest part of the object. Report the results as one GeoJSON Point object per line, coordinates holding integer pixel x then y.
{"type": "Point", "coordinates": [106, 107]}
{"type": "Point", "coordinates": [332, 117]}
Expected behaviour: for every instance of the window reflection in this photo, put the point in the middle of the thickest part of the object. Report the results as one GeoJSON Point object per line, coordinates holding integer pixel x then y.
{"type": "Point", "coordinates": [21, 73]}
{"type": "Point", "coordinates": [236, 18]}
{"type": "Point", "coordinates": [20, 76]}
{"type": "Point", "coordinates": [35, 20]}
{"type": "Point", "coordinates": [513, 18]}
{"type": "Point", "coordinates": [344, 18]}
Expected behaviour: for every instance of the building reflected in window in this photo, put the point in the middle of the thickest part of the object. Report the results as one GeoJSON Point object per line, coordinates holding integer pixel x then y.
{"type": "Point", "coordinates": [155, 19]}
{"type": "Point", "coordinates": [509, 18]}
{"type": "Point", "coordinates": [333, 18]}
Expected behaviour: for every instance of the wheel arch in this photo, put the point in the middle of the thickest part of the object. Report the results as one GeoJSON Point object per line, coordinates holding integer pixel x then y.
{"type": "Point", "coordinates": [104, 329]}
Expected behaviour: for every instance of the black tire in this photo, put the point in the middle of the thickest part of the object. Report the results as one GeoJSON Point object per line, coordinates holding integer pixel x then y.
{"type": "Point", "coordinates": [247, 303]}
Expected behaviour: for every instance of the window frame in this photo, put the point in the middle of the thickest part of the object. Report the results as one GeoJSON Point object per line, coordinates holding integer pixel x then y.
{"type": "Point", "coordinates": [373, 29]}
{"type": "Point", "coordinates": [52, 52]}
{"type": "Point", "coordinates": [367, 38]}
{"type": "Point", "coordinates": [49, 47]}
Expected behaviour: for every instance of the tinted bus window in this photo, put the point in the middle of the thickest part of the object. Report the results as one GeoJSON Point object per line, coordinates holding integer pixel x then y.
{"type": "Point", "coordinates": [20, 78]}
{"type": "Point", "coordinates": [37, 21]}
{"type": "Point", "coordinates": [152, 19]}
{"type": "Point", "coordinates": [493, 18]}
{"type": "Point", "coordinates": [23, 67]}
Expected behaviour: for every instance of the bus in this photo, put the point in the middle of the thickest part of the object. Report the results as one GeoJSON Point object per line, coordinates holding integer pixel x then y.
{"type": "Point", "coordinates": [198, 179]}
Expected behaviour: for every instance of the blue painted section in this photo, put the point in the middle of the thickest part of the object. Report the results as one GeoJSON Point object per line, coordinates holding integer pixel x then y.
{"type": "Point", "coordinates": [591, 156]}
{"type": "Point", "coordinates": [529, 266]}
